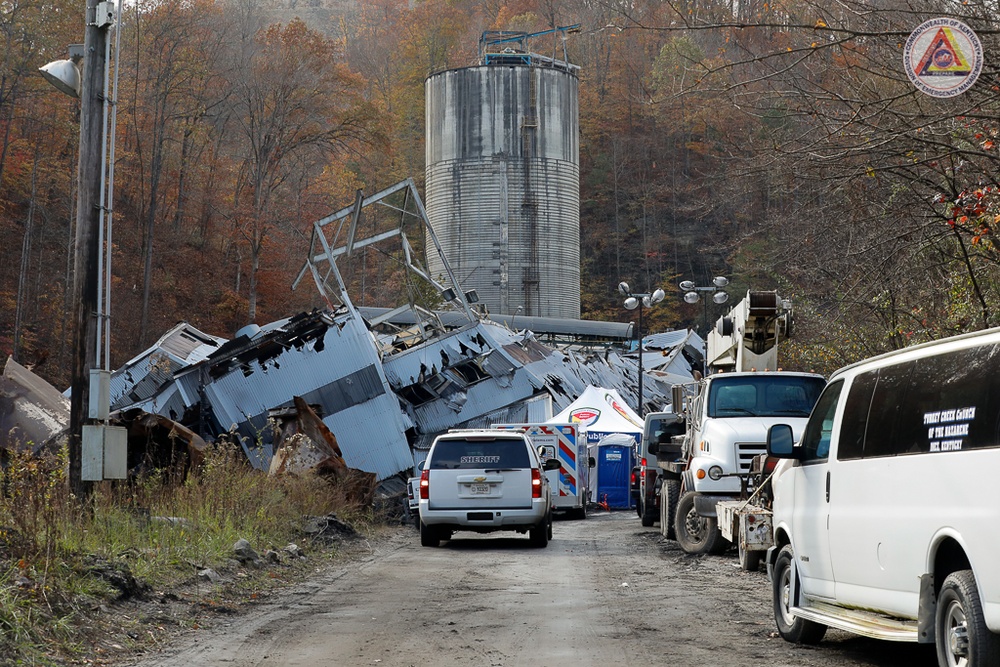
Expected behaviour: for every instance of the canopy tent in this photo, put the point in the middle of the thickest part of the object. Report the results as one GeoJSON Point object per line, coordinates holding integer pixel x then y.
{"type": "Point", "coordinates": [602, 412]}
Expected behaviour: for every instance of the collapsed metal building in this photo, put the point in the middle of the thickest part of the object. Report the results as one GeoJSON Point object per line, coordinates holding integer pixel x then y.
{"type": "Point", "coordinates": [386, 381]}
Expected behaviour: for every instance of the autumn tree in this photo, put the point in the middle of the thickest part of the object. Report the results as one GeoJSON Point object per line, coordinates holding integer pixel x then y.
{"type": "Point", "coordinates": [294, 106]}
{"type": "Point", "coordinates": [869, 184]}
{"type": "Point", "coordinates": [173, 51]}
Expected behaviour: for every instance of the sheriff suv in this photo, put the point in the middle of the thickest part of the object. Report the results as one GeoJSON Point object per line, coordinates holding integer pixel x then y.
{"type": "Point", "coordinates": [485, 481]}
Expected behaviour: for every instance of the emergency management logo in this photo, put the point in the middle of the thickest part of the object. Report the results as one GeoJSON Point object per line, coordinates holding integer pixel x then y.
{"type": "Point", "coordinates": [585, 416]}
{"type": "Point", "coordinates": [619, 409]}
{"type": "Point", "coordinates": [943, 57]}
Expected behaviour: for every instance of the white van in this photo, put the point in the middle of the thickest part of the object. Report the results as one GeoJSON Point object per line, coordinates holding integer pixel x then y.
{"type": "Point", "coordinates": [887, 513]}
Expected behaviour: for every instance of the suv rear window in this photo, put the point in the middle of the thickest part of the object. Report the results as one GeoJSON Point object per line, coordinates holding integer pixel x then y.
{"type": "Point", "coordinates": [477, 454]}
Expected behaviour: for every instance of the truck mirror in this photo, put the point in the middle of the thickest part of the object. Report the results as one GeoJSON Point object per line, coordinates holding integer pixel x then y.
{"type": "Point", "coordinates": [420, 466]}
{"type": "Point", "coordinates": [551, 464]}
{"type": "Point", "coordinates": [780, 441]}
{"type": "Point", "coordinates": [677, 398]}
{"type": "Point", "coordinates": [591, 462]}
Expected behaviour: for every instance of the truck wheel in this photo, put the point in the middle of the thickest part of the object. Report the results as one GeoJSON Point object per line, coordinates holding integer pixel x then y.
{"type": "Point", "coordinates": [648, 515]}
{"type": "Point", "coordinates": [962, 636]}
{"type": "Point", "coordinates": [791, 628]}
{"type": "Point", "coordinates": [670, 491]}
{"type": "Point", "coordinates": [750, 560]}
{"type": "Point", "coordinates": [539, 535]}
{"type": "Point", "coordinates": [429, 537]}
{"type": "Point", "coordinates": [695, 533]}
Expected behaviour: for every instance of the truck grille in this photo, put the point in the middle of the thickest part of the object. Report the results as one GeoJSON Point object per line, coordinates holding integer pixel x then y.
{"type": "Point", "coordinates": [745, 451]}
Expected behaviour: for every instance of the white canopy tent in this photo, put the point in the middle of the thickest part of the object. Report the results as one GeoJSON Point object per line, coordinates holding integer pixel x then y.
{"type": "Point", "coordinates": [603, 412]}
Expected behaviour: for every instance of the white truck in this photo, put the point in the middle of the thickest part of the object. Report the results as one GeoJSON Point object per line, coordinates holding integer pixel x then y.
{"type": "Point", "coordinates": [566, 442]}
{"type": "Point", "coordinates": [706, 472]}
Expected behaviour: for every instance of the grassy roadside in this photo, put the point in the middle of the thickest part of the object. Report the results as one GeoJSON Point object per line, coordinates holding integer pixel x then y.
{"type": "Point", "coordinates": [74, 575]}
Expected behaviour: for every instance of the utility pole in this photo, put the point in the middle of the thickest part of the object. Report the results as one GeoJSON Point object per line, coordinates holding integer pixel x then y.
{"type": "Point", "coordinates": [86, 275]}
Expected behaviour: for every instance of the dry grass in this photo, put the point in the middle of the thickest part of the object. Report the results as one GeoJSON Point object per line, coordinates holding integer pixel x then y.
{"type": "Point", "coordinates": [62, 558]}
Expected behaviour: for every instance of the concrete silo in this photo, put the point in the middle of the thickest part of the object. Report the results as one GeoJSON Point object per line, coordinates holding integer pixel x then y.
{"type": "Point", "coordinates": [503, 181]}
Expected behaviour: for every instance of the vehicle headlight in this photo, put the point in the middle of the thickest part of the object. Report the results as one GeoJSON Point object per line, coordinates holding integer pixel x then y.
{"type": "Point", "coordinates": [715, 472]}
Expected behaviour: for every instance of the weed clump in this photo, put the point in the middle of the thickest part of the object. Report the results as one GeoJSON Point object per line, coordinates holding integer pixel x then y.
{"type": "Point", "coordinates": [64, 559]}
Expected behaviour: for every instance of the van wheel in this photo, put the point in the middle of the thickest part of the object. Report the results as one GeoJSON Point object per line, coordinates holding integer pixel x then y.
{"type": "Point", "coordinates": [963, 640]}
{"type": "Point", "coordinates": [695, 533]}
{"type": "Point", "coordinates": [790, 627]}
{"type": "Point", "coordinates": [429, 537]}
{"type": "Point", "coordinates": [670, 491]}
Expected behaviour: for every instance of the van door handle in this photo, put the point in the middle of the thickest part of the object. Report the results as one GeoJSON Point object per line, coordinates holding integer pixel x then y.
{"type": "Point", "coordinates": [827, 486]}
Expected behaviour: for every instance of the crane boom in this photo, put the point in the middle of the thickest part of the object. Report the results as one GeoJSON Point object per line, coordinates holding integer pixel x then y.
{"type": "Point", "coordinates": [746, 338]}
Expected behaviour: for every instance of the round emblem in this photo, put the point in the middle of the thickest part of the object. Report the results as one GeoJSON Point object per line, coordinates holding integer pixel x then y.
{"type": "Point", "coordinates": [943, 57]}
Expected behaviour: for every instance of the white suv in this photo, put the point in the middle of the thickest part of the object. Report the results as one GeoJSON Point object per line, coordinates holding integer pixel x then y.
{"type": "Point", "coordinates": [484, 481]}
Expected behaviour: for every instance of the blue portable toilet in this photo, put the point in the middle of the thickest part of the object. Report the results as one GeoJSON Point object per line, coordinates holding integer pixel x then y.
{"type": "Point", "coordinates": [615, 456]}
{"type": "Point", "coordinates": [613, 434]}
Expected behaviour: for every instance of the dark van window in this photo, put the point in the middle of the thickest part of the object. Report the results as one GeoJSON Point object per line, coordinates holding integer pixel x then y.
{"type": "Point", "coordinates": [852, 430]}
{"type": "Point", "coordinates": [888, 399]}
{"type": "Point", "coordinates": [819, 429]}
{"type": "Point", "coordinates": [479, 454]}
{"type": "Point", "coordinates": [953, 403]}
{"type": "Point", "coordinates": [941, 403]}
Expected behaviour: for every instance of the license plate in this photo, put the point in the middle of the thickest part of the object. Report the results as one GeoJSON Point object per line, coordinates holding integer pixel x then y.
{"type": "Point", "coordinates": [479, 489]}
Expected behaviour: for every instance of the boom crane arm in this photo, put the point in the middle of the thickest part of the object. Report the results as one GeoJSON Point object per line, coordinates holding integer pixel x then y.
{"type": "Point", "coordinates": [747, 337]}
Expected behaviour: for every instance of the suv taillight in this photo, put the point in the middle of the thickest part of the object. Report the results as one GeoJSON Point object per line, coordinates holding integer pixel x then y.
{"type": "Point", "coordinates": [425, 484]}
{"type": "Point", "coordinates": [536, 483]}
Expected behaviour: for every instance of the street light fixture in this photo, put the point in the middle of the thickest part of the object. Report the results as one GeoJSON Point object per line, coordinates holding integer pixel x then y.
{"type": "Point", "coordinates": [65, 74]}
{"type": "Point", "coordinates": [719, 297]}
{"type": "Point", "coordinates": [639, 301]}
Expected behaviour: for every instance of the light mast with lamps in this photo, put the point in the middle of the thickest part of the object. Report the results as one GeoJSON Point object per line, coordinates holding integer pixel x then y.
{"type": "Point", "coordinates": [639, 301]}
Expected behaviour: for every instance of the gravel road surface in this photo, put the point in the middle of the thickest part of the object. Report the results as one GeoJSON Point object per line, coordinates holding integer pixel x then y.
{"type": "Point", "coordinates": [604, 592]}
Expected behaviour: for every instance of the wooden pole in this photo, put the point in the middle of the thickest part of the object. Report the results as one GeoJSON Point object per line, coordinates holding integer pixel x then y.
{"type": "Point", "coordinates": [85, 274]}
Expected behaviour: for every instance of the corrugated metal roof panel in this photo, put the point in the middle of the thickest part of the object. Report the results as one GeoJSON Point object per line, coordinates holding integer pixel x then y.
{"type": "Point", "coordinates": [142, 377]}
{"type": "Point", "coordinates": [342, 375]}
{"type": "Point", "coordinates": [406, 367]}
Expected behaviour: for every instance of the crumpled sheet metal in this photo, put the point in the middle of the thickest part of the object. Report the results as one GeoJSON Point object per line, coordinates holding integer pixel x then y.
{"type": "Point", "coordinates": [155, 438]}
{"type": "Point", "coordinates": [32, 412]}
{"type": "Point", "coordinates": [307, 445]}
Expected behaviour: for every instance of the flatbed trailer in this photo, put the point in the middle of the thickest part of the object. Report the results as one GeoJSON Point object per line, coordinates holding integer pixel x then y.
{"type": "Point", "coordinates": [749, 527]}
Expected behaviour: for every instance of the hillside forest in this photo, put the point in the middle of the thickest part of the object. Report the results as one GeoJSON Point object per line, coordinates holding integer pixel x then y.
{"type": "Point", "coordinates": [778, 143]}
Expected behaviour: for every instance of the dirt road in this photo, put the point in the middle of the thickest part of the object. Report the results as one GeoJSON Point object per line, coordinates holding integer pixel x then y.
{"type": "Point", "coordinates": [605, 592]}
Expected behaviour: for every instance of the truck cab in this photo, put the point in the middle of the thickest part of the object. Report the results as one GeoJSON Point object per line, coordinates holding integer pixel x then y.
{"type": "Point", "coordinates": [661, 439]}
{"type": "Point", "coordinates": [727, 420]}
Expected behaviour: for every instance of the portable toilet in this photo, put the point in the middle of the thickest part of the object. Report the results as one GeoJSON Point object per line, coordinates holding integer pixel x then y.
{"type": "Point", "coordinates": [615, 454]}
